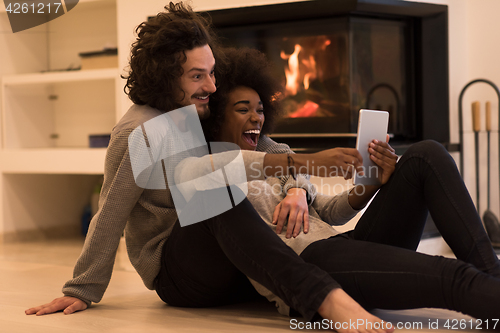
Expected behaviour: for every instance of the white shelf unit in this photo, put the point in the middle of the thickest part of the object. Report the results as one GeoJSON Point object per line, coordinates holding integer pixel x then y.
{"type": "Point", "coordinates": [47, 170]}
{"type": "Point", "coordinates": [60, 77]}
{"type": "Point", "coordinates": [54, 161]}
{"type": "Point", "coordinates": [57, 110]}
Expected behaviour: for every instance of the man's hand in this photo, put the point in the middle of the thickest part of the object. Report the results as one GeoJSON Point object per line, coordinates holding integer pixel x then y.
{"type": "Point", "coordinates": [66, 304]}
{"type": "Point", "coordinates": [295, 208]}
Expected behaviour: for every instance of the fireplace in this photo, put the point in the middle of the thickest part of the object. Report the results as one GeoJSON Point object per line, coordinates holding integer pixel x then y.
{"type": "Point", "coordinates": [338, 56]}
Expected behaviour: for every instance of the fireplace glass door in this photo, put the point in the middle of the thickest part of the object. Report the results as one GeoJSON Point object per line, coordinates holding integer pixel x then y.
{"type": "Point", "coordinates": [334, 67]}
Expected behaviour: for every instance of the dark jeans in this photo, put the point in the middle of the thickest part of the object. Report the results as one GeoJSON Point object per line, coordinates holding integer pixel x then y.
{"type": "Point", "coordinates": [375, 263]}
{"type": "Point", "coordinates": [206, 264]}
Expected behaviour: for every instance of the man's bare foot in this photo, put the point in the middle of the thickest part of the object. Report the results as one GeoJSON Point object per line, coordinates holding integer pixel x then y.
{"type": "Point", "coordinates": [348, 316]}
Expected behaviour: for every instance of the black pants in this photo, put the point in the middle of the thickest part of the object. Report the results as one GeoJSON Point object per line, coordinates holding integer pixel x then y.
{"type": "Point", "coordinates": [205, 264]}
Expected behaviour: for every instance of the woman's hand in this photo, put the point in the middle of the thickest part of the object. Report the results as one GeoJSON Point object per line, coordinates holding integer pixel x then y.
{"type": "Point", "coordinates": [383, 155]}
{"type": "Point", "coordinates": [66, 304]}
{"type": "Point", "coordinates": [295, 208]}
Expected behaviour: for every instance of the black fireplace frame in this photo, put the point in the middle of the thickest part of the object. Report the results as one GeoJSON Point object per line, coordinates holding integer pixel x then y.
{"type": "Point", "coordinates": [430, 42]}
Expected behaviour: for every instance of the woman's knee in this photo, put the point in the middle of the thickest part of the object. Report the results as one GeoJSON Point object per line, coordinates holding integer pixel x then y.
{"type": "Point", "coordinates": [428, 149]}
{"type": "Point", "coordinates": [427, 153]}
{"type": "Point", "coordinates": [427, 146]}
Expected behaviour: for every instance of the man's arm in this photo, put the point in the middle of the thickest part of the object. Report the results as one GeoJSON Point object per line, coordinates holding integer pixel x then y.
{"type": "Point", "coordinates": [94, 267]}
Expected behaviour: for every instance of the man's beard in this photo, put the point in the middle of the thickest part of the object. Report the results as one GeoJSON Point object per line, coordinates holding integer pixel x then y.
{"type": "Point", "coordinates": [204, 112]}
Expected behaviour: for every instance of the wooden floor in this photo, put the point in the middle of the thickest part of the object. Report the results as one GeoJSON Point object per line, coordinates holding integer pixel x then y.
{"type": "Point", "coordinates": [32, 273]}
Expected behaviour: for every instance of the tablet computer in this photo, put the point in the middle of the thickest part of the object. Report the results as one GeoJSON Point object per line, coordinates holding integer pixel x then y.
{"type": "Point", "coordinates": [372, 125]}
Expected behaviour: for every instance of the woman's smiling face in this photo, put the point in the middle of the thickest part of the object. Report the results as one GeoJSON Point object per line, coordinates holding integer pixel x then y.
{"type": "Point", "coordinates": [243, 118]}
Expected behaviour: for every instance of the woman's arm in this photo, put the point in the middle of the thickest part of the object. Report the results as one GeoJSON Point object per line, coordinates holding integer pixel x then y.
{"type": "Point", "coordinates": [257, 165]}
{"type": "Point", "coordinates": [288, 182]}
{"type": "Point", "coordinates": [294, 206]}
{"type": "Point", "coordinates": [336, 162]}
{"type": "Point", "coordinates": [339, 209]}
{"type": "Point", "coordinates": [293, 210]}
{"type": "Point", "coordinates": [334, 209]}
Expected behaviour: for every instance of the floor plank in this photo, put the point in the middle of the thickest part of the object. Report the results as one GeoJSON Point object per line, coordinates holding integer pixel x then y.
{"type": "Point", "coordinates": [33, 274]}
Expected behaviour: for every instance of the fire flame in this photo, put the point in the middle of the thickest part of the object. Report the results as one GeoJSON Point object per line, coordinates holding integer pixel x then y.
{"type": "Point", "coordinates": [292, 72]}
{"type": "Point", "coordinates": [311, 75]}
{"type": "Point", "coordinates": [300, 71]}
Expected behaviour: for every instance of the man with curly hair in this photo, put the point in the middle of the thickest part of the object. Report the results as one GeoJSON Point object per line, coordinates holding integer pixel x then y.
{"type": "Point", "coordinates": [172, 62]}
{"type": "Point", "coordinates": [172, 66]}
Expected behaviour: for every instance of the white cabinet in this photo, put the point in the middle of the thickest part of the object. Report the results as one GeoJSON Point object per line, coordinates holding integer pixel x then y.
{"type": "Point", "coordinates": [57, 109]}
{"type": "Point", "coordinates": [46, 118]}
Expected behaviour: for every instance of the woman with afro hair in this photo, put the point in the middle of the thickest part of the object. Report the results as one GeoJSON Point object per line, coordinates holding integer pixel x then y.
{"type": "Point", "coordinates": [376, 264]}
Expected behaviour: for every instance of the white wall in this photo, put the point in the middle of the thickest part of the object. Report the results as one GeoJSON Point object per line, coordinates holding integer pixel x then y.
{"type": "Point", "coordinates": [483, 45]}
{"type": "Point", "coordinates": [473, 49]}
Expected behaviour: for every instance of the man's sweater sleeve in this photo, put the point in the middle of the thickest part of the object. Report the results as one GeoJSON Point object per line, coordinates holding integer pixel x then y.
{"type": "Point", "coordinates": [195, 168]}
{"type": "Point", "coordinates": [119, 195]}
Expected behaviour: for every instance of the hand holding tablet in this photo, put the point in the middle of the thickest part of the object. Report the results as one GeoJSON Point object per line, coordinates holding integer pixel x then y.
{"type": "Point", "coordinates": [372, 125]}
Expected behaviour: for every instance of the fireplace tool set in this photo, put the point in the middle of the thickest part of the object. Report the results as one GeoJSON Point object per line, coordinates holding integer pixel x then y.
{"type": "Point", "coordinates": [490, 220]}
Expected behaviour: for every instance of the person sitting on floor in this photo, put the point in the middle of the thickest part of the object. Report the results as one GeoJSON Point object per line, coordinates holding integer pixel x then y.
{"type": "Point", "coordinates": [376, 263]}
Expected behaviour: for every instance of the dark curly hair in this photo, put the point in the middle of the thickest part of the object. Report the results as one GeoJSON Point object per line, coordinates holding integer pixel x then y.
{"type": "Point", "coordinates": [158, 54]}
{"type": "Point", "coordinates": [249, 68]}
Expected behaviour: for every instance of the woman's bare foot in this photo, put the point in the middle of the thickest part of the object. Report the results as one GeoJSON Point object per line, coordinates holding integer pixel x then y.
{"type": "Point", "coordinates": [348, 316]}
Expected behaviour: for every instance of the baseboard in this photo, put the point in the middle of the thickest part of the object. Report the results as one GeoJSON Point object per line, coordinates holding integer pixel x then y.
{"type": "Point", "coordinates": [56, 232]}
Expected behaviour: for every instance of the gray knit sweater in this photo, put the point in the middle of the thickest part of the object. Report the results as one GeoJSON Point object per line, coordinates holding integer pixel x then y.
{"type": "Point", "coordinates": [146, 216]}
